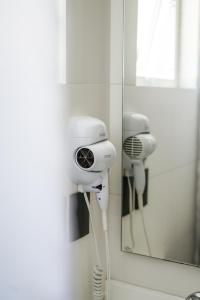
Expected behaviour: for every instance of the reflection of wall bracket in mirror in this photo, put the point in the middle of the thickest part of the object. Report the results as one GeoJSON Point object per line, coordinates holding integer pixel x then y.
{"type": "Point", "coordinates": [125, 202]}
{"type": "Point", "coordinates": [78, 216]}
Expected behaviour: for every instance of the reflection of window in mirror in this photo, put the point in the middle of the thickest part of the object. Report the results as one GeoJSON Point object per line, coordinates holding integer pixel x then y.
{"type": "Point", "coordinates": [156, 39]}
{"type": "Point", "coordinates": [167, 49]}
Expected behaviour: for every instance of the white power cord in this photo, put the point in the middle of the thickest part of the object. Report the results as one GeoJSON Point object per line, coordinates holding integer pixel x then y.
{"type": "Point", "coordinates": [140, 202]}
{"type": "Point", "coordinates": [105, 229]}
{"type": "Point", "coordinates": [98, 274]}
{"type": "Point", "coordinates": [93, 229]}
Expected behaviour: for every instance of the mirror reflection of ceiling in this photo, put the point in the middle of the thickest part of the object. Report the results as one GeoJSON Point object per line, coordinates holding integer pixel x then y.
{"type": "Point", "coordinates": [161, 193]}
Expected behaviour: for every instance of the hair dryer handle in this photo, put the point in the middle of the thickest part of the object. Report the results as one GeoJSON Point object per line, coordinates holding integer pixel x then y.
{"type": "Point", "coordinates": [102, 195]}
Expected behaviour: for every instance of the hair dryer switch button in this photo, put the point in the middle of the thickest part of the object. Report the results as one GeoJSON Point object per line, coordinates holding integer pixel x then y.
{"type": "Point", "coordinates": [99, 187]}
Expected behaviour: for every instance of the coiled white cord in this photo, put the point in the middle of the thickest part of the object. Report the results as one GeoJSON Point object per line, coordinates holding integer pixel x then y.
{"type": "Point", "coordinates": [140, 202]}
{"type": "Point", "coordinates": [98, 274]}
{"type": "Point", "coordinates": [98, 283]}
{"type": "Point", "coordinates": [105, 229]}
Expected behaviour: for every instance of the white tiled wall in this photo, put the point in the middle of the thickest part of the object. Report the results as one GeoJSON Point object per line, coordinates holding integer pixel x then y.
{"type": "Point", "coordinates": [156, 274]}
{"type": "Point", "coordinates": [88, 34]}
{"type": "Point", "coordinates": [89, 99]}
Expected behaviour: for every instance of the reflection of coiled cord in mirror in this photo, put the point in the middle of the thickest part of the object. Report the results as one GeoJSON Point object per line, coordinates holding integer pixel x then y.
{"type": "Point", "coordinates": [131, 249]}
{"type": "Point", "coordinates": [131, 225]}
{"type": "Point", "coordinates": [140, 204]}
{"type": "Point", "coordinates": [140, 182]}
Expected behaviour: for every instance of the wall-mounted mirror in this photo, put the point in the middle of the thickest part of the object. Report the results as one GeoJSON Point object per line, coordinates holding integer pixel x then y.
{"type": "Point", "coordinates": [161, 168]}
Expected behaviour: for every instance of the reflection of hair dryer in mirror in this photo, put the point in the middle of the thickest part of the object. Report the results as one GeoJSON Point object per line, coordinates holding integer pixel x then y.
{"type": "Point", "coordinates": [138, 144]}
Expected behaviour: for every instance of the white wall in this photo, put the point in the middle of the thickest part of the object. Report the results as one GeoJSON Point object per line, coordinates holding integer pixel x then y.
{"type": "Point", "coordinates": [33, 251]}
{"type": "Point", "coordinates": [154, 274]}
{"type": "Point", "coordinates": [88, 36]}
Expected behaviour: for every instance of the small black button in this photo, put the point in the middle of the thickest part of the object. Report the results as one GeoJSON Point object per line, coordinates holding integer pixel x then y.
{"type": "Point", "coordinates": [99, 187]}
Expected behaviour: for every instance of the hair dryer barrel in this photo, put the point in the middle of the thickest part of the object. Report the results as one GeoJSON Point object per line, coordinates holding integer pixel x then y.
{"type": "Point", "coordinates": [97, 157]}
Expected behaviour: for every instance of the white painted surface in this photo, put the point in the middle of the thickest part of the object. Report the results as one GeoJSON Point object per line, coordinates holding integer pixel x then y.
{"type": "Point", "coordinates": [33, 252]}
{"type": "Point", "coordinates": [121, 290]}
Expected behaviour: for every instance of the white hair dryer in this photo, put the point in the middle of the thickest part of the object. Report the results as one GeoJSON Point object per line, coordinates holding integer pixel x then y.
{"type": "Point", "coordinates": [92, 155]}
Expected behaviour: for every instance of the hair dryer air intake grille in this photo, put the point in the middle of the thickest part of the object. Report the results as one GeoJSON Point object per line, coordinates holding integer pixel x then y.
{"type": "Point", "coordinates": [132, 147]}
{"type": "Point", "coordinates": [84, 158]}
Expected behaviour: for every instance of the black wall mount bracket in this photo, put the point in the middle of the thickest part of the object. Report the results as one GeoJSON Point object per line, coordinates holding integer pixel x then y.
{"type": "Point", "coordinates": [78, 216]}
